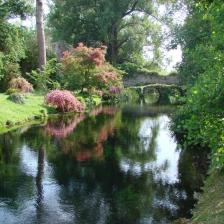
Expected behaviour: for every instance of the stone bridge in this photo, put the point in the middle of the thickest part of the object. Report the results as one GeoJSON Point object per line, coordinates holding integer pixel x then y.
{"type": "Point", "coordinates": [150, 78]}
{"type": "Point", "coordinates": [163, 85]}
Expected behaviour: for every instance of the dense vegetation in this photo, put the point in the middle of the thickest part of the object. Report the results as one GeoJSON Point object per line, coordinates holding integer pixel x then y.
{"type": "Point", "coordinates": [108, 39]}
{"type": "Point", "coordinates": [124, 26]}
{"type": "Point", "coordinates": [200, 121]}
{"type": "Point", "coordinates": [104, 40]}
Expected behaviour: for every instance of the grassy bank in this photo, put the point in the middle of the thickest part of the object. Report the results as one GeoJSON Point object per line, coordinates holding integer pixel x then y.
{"type": "Point", "coordinates": [210, 208]}
{"type": "Point", "coordinates": [13, 115]}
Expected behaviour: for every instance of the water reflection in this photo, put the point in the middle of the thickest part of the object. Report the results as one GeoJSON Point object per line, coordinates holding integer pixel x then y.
{"type": "Point", "coordinates": [114, 166]}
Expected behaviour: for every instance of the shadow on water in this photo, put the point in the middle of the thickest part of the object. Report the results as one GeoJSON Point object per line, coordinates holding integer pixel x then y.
{"type": "Point", "coordinates": [117, 165]}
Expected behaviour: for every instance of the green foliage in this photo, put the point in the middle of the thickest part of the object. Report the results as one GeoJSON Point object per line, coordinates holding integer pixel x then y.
{"type": "Point", "coordinates": [11, 39]}
{"type": "Point", "coordinates": [11, 8]}
{"type": "Point", "coordinates": [201, 120]}
{"type": "Point", "coordinates": [11, 90]}
{"type": "Point", "coordinates": [12, 50]}
{"type": "Point", "coordinates": [48, 78]}
{"type": "Point", "coordinates": [30, 61]}
{"type": "Point", "coordinates": [124, 26]}
{"type": "Point", "coordinates": [129, 95]}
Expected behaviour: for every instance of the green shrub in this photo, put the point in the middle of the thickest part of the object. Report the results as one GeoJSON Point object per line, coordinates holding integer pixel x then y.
{"type": "Point", "coordinates": [48, 78]}
{"type": "Point", "coordinates": [129, 95]}
{"type": "Point", "coordinates": [18, 98]}
{"type": "Point", "coordinates": [11, 90]}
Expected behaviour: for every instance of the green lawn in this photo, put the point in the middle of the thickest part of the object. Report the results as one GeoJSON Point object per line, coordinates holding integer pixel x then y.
{"type": "Point", "coordinates": [18, 114]}
{"type": "Point", "coordinates": [210, 209]}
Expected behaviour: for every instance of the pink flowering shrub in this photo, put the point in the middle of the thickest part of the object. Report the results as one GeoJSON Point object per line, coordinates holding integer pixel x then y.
{"type": "Point", "coordinates": [115, 90]}
{"type": "Point", "coordinates": [106, 77]}
{"type": "Point", "coordinates": [21, 85]}
{"type": "Point", "coordinates": [64, 101]}
{"type": "Point", "coordinates": [86, 55]}
{"type": "Point", "coordinates": [86, 68]}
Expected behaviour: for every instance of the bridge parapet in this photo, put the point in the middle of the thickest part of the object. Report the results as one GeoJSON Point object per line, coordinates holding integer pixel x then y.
{"type": "Point", "coordinates": [153, 78]}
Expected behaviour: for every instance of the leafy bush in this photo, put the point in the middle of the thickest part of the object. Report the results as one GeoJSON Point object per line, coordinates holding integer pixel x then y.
{"type": "Point", "coordinates": [17, 98]}
{"type": "Point", "coordinates": [200, 122]}
{"type": "Point", "coordinates": [11, 90]}
{"type": "Point", "coordinates": [64, 101]}
{"type": "Point", "coordinates": [21, 84]}
{"type": "Point", "coordinates": [129, 95]}
{"type": "Point", "coordinates": [46, 79]}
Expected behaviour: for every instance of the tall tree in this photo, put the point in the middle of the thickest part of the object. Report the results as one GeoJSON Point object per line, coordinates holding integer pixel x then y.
{"type": "Point", "coordinates": [40, 33]}
{"type": "Point", "coordinates": [124, 26]}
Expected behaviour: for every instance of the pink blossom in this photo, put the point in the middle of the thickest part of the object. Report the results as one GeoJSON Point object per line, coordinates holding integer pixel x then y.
{"type": "Point", "coordinates": [115, 90]}
{"type": "Point", "coordinates": [64, 101]}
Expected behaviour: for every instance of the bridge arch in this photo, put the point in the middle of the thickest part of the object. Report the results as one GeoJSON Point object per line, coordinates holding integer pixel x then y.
{"type": "Point", "coordinates": [146, 83]}
{"type": "Point", "coordinates": [163, 92]}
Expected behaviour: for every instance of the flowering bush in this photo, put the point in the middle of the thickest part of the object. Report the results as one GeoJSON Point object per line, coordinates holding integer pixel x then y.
{"type": "Point", "coordinates": [115, 90]}
{"type": "Point", "coordinates": [106, 78]}
{"type": "Point", "coordinates": [21, 84]}
{"type": "Point", "coordinates": [64, 101]}
{"type": "Point", "coordinates": [85, 55]}
{"type": "Point", "coordinates": [86, 68]}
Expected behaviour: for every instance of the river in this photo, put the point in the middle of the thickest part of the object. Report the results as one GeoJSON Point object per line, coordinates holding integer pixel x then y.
{"type": "Point", "coordinates": [116, 165]}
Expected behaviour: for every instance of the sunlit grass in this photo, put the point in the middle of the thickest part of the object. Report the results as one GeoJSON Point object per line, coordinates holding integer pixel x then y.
{"type": "Point", "coordinates": [210, 208]}
{"type": "Point", "coordinates": [16, 114]}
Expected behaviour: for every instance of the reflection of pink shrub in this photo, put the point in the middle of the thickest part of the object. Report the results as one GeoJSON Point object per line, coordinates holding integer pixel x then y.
{"type": "Point", "coordinates": [64, 101]}
{"type": "Point", "coordinates": [63, 129]}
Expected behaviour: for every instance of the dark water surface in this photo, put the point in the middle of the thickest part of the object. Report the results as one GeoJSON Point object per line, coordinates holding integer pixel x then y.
{"type": "Point", "coordinates": [114, 166]}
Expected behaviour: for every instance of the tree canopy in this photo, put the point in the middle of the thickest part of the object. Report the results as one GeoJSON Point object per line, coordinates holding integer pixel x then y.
{"type": "Point", "coordinates": [124, 26]}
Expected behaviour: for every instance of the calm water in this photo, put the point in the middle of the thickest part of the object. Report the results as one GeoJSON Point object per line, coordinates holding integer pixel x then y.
{"type": "Point", "coordinates": [114, 166]}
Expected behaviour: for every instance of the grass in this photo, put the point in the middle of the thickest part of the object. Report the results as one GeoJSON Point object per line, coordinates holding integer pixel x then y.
{"type": "Point", "coordinates": [210, 208]}
{"type": "Point", "coordinates": [12, 114]}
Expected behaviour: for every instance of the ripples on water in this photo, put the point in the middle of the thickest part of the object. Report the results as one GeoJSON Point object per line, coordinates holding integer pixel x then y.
{"type": "Point", "coordinates": [114, 166]}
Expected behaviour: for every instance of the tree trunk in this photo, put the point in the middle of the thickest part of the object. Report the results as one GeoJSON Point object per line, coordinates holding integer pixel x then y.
{"type": "Point", "coordinates": [113, 44]}
{"type": "Point", "coordinates": [40, 33]}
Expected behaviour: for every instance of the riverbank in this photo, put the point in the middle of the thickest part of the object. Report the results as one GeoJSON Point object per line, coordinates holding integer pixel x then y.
{"type": "Point", "coordinates": [13, 115]}
{"type": "Point", "coordinates": [33, 111]}
{"type": "Point", "coordinates": [210, 208]}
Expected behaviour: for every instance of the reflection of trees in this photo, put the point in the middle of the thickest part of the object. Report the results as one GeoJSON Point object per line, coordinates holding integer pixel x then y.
{"type": "Point", "coordinates": [134, 147]}
{"type": "Point", "coordinates": [99, 189]}
{"type": "Point", "coordinates": [193, 166]}
{"type": "Point", "coordinates": [39, 183]}
{"type": "Point", "coordinates": [110, 110]}
{"type": "Point", "coordinates": [14, 184]}
{"type": "Point", "coordinates": [84, 142]}
{"type": "Point", "coordinates": [9, 158]}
